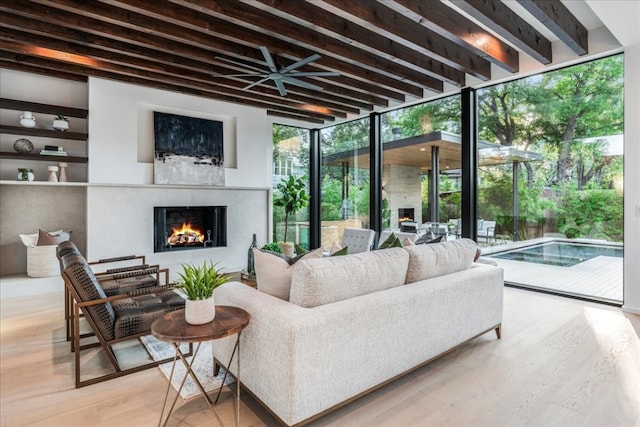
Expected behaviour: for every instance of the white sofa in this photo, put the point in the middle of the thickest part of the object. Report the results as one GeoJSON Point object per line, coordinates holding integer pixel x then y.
{"type": "Point", "coordinates": [355, 322]}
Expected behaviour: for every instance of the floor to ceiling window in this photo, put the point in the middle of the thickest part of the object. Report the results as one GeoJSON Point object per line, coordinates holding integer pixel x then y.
{"type": "Point", "coordinates": [550, 194]}
{"type": "Point", "coordinates": [421, 168]}
{"type": "Point", "coordinates": [290, 158]}
{"type": "Point", "coordinates": [345, 180]}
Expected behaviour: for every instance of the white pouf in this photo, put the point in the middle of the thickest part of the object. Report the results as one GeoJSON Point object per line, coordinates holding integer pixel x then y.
{"type": "Point", "coordinates": [42, 261]}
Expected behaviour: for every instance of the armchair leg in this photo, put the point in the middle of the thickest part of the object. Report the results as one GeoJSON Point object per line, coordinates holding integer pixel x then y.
{"type": "Point", "coordinates": [499, 331]}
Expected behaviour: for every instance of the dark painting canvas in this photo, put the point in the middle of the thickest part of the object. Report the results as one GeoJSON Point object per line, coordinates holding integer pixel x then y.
{"type": "Point", "coordinates": [188, 150]}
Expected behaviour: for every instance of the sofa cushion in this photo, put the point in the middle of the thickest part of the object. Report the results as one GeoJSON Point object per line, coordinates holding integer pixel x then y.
{"type": "Point", "coordinates": [273, 271]}
{"type": "Point", "coordinates": [427, 261]}
{"type": "Point", "coordinates": [322, 281]}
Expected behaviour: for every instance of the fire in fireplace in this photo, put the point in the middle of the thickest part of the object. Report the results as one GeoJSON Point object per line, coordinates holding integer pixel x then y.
{"type": "Point", "coordinates": [189, 227]}
{"type": "Point", "coordinates": [405, 215]}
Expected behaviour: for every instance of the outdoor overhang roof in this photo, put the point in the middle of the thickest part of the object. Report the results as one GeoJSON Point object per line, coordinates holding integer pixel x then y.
{"type": "Point", "coordinates": [416, 151]}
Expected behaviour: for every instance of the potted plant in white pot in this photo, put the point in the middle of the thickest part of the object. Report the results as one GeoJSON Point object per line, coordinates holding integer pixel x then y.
{"type": "Point", "coordinates": [61, 123]}
{"type": "Point", "coordinates": [198, 283]}
{"type": "Point", "coordinates": [292, 196]}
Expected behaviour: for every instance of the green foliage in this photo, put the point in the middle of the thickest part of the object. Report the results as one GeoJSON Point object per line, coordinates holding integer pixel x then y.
{"type": "Point", "coordinates": [292, 196]}
{"type": "Point", "coordinates": [272, 247]}
{"type": "Point", "coordinates": [594, 214]}
{"type": "Point", "coordinates": [199, 282]}
{"type": "Point", "coordinates": [386, 214]}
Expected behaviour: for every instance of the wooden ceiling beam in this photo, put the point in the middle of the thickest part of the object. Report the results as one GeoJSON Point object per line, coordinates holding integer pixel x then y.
{"type": "Point", "coordinates": [166, 68]}
{"type": "Point", "coordinates": [25, 54]}
{"type": "Point", "coordinates": [128, 26]}
{"type": "Point", "coordinates": [293, 116]}
{"type": "Point", "coordinates": [148, 46]}
{"type": "Point", "coordinates": [282, 30]}
{"type": "Point", "coordinates": [19, 66]}
{"type": "Point", "coordinates": [330, 25]}
{"type": "Point", "coordinates": [508, 25]}
{"type": "Point", "coordinates": [398, 27]}
{"type": "Point", "coordinates": [557, 18]}
{"type": "Point", "coordinates": [437, 16]}
{"type": "Point", "coordinates": [165, 21]}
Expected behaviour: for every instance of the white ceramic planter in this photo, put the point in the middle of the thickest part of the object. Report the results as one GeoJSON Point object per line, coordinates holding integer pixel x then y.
{"type": "Point", "coordinates": [199, 312]}
{"type": "Point", "coordinates": [61, 125]}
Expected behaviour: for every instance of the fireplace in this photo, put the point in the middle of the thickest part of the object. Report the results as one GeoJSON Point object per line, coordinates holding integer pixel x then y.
{"type": "Point", "coordinates": [405, 215]}
{"type": "Point", "coordinates": [189, 227]}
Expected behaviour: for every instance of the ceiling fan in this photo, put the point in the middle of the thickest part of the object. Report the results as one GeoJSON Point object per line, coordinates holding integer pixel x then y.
{"type": "Point", "coordinates": [283, 75]}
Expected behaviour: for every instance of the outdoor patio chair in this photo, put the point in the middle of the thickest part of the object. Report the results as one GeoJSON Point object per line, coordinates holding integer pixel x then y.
{"type": "Point", "coordinates": [358, 239]}
{"type": "Point", "coordinates": [111, 319]}
{"type": "Point", "coordinates": [486, 229]}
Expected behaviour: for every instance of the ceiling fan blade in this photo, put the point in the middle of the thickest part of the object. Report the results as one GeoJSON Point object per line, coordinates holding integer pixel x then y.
{"type": "Point", "coordinates": [300, 63]}
{"type": "Point", "coordinates": [267, 57]}
{"type": "Point", "coordinates": [314, 74]}
{"type": "Point", "coordinates": [255, 83]}
{"type": "Point", "coordinates": [239, 75]}
{"type": "Point", "coordinates": [301, 83]}
{"type": "Point", "coordinates": [280, 86]}
{"type": "Point", "coordinates": [241, 64]}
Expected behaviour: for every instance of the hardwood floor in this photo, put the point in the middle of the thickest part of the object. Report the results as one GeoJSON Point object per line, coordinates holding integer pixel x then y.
{"type": "Point", "coordinates": [560, 363]}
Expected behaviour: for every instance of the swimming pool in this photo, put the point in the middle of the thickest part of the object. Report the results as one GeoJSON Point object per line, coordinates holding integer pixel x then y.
{"type": "Point", "coordinates": [564, 254]}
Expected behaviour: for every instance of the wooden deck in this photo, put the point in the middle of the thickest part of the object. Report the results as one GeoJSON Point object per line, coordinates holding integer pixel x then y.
{"type": "Point", "coordinates": [599, 277]}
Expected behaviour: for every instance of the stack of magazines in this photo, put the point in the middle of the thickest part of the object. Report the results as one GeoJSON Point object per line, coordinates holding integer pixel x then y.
{"type": "Point", "coordinates": [52, 150]}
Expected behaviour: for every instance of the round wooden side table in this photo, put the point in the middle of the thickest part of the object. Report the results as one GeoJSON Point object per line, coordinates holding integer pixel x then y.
{"type": "Point", "coordinates": [173, 328]}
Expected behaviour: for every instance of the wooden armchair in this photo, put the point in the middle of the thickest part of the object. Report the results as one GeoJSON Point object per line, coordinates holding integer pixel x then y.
{"type": "Point", "coordinates": [112, 319]}
{"type": "Point", "coordinates": [130, 280]}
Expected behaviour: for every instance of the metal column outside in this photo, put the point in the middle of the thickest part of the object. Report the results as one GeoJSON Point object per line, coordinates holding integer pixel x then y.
{"type": "Point", "coordinates": [375, 173]}
{"type": "Point", "coordinates": [315, 215]}
{"type": "Point", "coordinates": [469, 155]}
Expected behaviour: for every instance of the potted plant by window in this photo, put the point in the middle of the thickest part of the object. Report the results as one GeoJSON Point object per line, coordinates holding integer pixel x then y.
{"type": "Point", "coordinates": [198, 283]}
{"type": "Point", "coordinates": [292, 196]}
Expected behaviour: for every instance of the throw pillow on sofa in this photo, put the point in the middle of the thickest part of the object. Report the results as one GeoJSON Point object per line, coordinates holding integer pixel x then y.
{"type": "Point", "coordinates": [428, 239]}
{"type": "Point", "coordinates": [391, 242]}
{"type": "Point", "coordinates": [337, 250]}
{"type": "Point", "coordinates": [273, 271]}
{"type": "Point", "coordinates": [427, 261]}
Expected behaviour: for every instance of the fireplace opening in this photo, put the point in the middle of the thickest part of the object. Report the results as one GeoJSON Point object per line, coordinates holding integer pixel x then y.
{"type": "Point", "coordinates": [405, 215]}
{"type": "Point", "coordinates": [189, 227]}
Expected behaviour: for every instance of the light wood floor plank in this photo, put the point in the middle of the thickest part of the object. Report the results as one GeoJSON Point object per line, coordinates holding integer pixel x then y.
{"type": "Point", "coordinates": [561, 362]}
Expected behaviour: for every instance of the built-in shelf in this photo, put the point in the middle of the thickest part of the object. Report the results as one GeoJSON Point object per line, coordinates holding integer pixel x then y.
{"type": "Point", "coordinates": [44, 183]}
{"type": "Point", "coordinates": [48, 133]}
{"type": "Point", "coordinates": [36, 107]}
{"type": "Point", "coordinates": [42, 157]}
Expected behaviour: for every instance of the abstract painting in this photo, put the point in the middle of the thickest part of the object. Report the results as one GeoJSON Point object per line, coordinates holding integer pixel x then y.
{"type": "Point", "coordinates": [188, 150]}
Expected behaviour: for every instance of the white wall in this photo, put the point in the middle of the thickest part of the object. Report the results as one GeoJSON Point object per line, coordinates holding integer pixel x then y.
{"type": "Point", "coordinates": [121, 194]}
{"type": "Point", "coordinates": [121, 133]}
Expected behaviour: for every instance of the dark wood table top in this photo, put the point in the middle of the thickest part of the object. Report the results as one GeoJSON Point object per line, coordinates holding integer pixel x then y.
{"type": "Point", "coordinates": [172, 327]}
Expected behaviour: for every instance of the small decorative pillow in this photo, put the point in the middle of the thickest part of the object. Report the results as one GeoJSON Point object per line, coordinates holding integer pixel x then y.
{"type": "Point", "coordinates": [49, 238]}
{"type": "Point", "coordinates": [338, 250]}
{"type": "Point", "coordinates": [427, 239]}
{"type": "Point", "coordinates": [407, 242]}
{"type": "Point", "coordinates": [46, 239]}
{"type": "Point", "coordinates": [392, 242]}
{"type": "Point", "coordinates": [273, 271]}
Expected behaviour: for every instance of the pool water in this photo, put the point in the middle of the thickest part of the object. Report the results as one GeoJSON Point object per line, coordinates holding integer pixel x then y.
{"type": "Point", "coordinates": [562, 254]}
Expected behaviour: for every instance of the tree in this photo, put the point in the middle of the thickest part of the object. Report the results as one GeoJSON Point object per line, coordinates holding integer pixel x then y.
{"type": "Point", "coordinates": [292, 196]}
